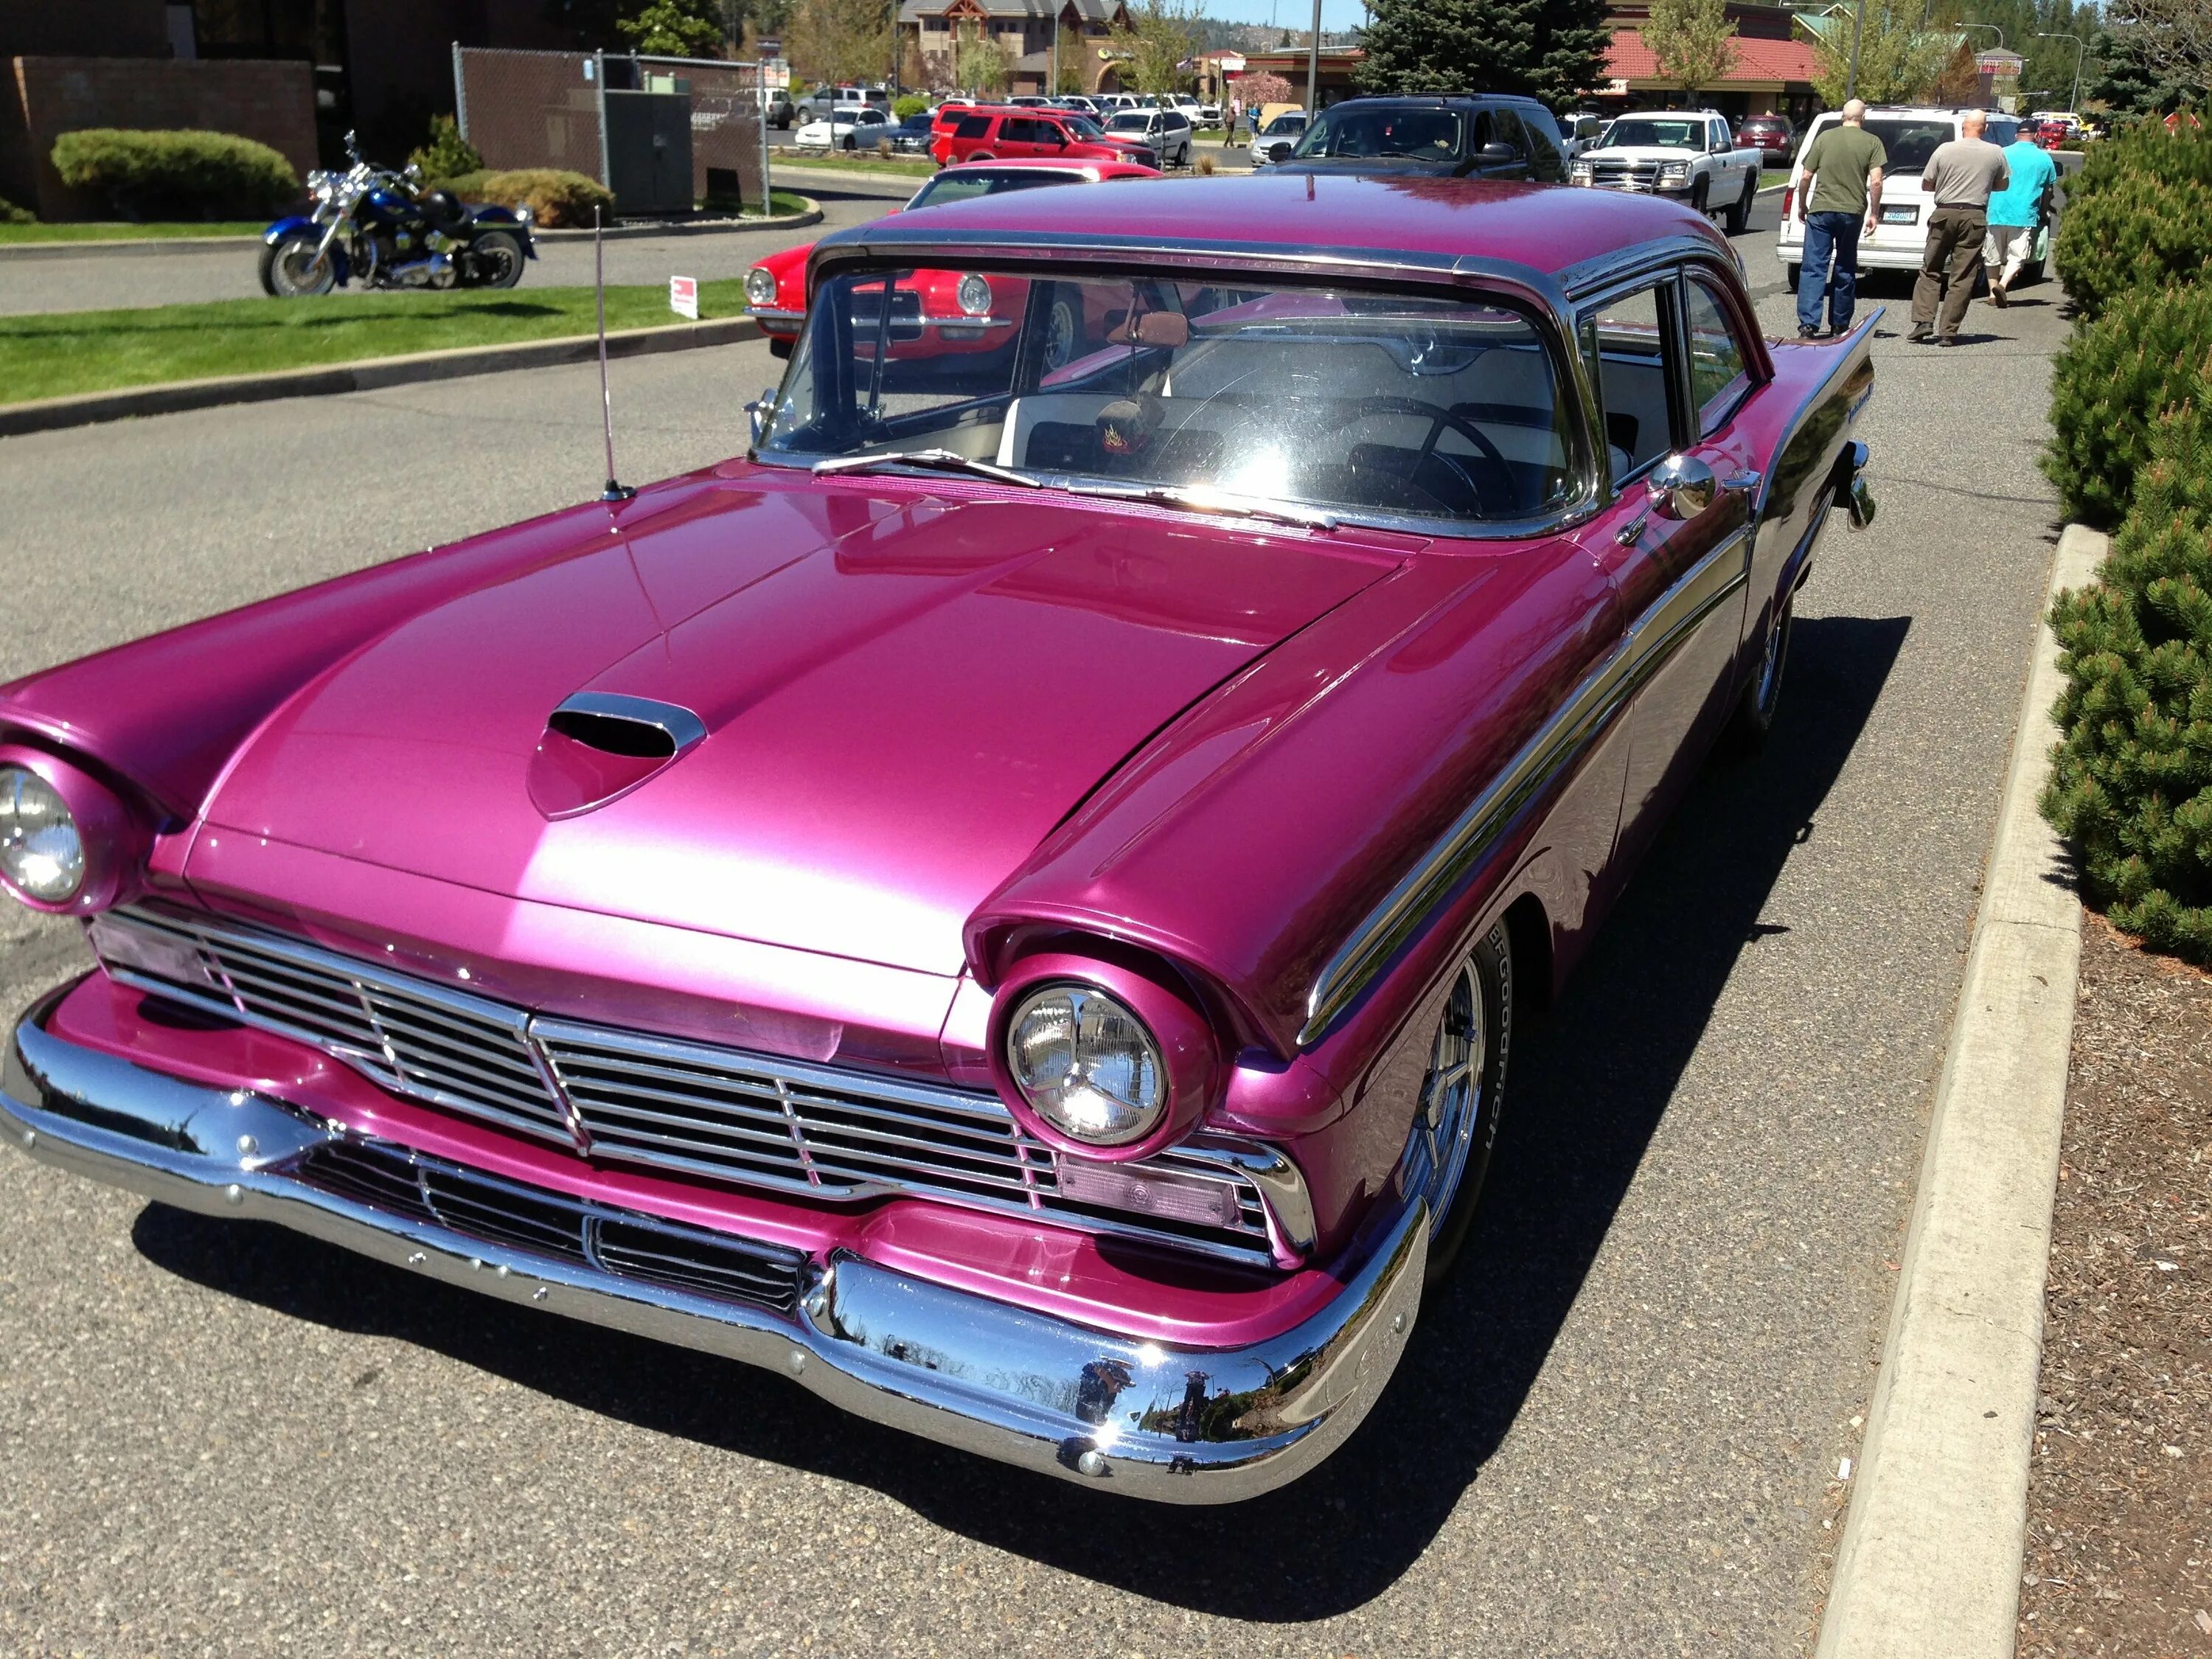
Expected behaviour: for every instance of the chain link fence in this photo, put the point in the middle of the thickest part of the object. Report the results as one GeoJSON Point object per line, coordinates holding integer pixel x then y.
{"type": "Point", "coordinates": [665, 134]}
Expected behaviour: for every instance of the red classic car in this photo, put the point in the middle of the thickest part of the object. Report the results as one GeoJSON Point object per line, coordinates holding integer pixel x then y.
{"type": "Point", "coordinates": [1006, 904]}
{"type": "Point", "coordinates": [775, 288]}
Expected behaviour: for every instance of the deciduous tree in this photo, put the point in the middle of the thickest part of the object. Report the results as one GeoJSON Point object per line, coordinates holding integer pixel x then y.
{"type": "Point", "coordinates": [1898, 61]}
{"type": "Point", "coordinates": [1694, 41]}
{"type": "Point", "coordinates": [835, 40]}
{"type": "Point", "coordinates": [1160, 37]}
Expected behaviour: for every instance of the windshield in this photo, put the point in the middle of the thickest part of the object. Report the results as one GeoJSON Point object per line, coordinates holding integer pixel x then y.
{"type": "Point", "coordinates": [1285, 126]}
{"type": "Point", "coordinates": [1084, 127]}
{"type": "Point", "coordinates": [1428, 134]}
{"type": "Point", "coordinates": [1129, 121]}
{"type": "Point", "coordinates": [965, 187]}
{"type": "Point", "coordinates": [1631, 131]}
{"type": "Point", "coordinates": [1288, 402]}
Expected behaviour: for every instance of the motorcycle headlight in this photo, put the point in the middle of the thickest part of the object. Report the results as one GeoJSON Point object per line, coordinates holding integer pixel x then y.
{"type": "Point", "coordinates": [974, 295]}
{"type": "Point", "coordinates": [760, 286]}
{"type": "Point", "coordinates": [1086, 1065]}
{"type": "Point", "coordinates": [41, 851]}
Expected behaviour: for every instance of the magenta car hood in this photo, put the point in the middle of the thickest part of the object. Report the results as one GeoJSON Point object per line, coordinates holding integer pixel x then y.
{"type": "Point", "coordinates": [900, 700]}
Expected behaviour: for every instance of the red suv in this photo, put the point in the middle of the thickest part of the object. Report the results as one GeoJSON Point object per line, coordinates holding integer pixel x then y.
{"type": "Point", "coordinates": [987, 133]}
{"type": "Point", "coordinates": [1770, 135]}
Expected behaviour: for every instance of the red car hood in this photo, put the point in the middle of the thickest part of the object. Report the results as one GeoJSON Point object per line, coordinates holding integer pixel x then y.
{"type": "Point", "coordinates": [901, 695]}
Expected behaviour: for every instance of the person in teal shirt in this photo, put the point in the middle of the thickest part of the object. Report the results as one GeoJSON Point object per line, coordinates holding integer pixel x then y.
{"type": "Point", "coordinates": [2016, 213]}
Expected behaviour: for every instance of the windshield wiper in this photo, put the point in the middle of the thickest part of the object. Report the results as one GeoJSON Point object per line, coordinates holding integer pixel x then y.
{"type": "Point", "coordinates": [944, 460]}
{"type": "Point", "coordinates": [1207, 501]}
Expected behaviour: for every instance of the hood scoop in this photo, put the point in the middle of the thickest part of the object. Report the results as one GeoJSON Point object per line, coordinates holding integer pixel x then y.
{"type": "Point", "coordinates": [600, 745]}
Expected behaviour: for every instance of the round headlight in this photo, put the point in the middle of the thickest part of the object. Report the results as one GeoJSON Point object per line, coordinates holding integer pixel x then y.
{"type": "Point", "coordinates": [974, 295]}
{"type": "Point", "coordinates": [41, 854]}
{"type": "Point", "coordinates": [760, 286]}
{"type": "Point", "coordinates": [1086, 1065]}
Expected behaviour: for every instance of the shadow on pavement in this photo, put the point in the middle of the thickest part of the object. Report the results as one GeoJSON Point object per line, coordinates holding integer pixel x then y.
{"type": "Point", "coordinates": [1590, 1083]}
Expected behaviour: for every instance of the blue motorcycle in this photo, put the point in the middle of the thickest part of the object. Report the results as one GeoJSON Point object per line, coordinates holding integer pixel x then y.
{"type": "Point", "coordinates": [382, 229]}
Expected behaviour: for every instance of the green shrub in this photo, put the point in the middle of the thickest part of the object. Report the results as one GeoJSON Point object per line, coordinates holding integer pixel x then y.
{"type": "Point", "coordinates": [2151, 348]}
{"type": "Point", "coordinates": [909, 105]}
{"type": "Point", "coordinates": [12, 214]}
{"type": "Point", "coordinates": [554, 198]}
{"type": "Point", "coordinates": [447, 156]}
{"type": "Point", "coordinates": [176, 175]}
{"type": "Point", "coordinates": [2131, 785]}
{"type": "Point", "coordinates": [2137, 214]}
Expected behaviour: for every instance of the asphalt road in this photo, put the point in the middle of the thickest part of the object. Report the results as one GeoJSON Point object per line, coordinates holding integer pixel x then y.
{"type": "Point", "coordinates": [1616, 1433]}
{"type": "Point", "coordinates": [97, 281]}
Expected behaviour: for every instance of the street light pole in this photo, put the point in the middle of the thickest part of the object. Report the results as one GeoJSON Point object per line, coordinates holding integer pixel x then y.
{"type": "Point", "coordinates": [1851, 75]}
{"type": "Point", "coordinates": [1313, 67]}
{"type": "Point", "coordinates": [2073, 103]}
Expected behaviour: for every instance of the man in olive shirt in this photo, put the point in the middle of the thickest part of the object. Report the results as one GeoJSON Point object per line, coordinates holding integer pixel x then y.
{"type": "Point", "coordinates": [1959, 179]}
{"type": "Point", "coordinates": [1842, 186]}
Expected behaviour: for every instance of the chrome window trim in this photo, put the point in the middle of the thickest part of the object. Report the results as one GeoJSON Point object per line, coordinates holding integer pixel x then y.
{"type": "Point", "coordinates": [680, 725]}
{"type": "Point", "coordinates": [1404, 912]}
{"type": "Point", "coordinates": [1286, 1210]}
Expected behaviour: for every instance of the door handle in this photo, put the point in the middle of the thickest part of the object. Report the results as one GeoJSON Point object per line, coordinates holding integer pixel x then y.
{"type": "Point", "coordinates": [1629, 533]}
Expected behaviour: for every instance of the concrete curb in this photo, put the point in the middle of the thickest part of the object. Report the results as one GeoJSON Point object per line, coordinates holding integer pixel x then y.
{"type": "Point", "coordinates": [50, 414]}
{"type": "Point", "coordinates": [128, 246]}
{"type": "Point", "coordinates": [1930, 1557]}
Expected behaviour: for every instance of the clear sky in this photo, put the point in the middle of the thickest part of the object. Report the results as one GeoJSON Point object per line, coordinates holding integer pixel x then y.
{"type": "Point", "coordinates": [1289, 14]}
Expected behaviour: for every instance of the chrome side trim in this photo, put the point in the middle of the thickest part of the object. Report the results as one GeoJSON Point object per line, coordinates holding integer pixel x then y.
{"type": "Point", "coordinates": [1181, 1424]}
{"type": "Point", "coordinates": [1404, 912]}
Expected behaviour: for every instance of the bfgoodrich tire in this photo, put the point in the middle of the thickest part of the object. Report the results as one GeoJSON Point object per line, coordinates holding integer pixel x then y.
{"type": "Point", "coordinates": [1455, 1118]}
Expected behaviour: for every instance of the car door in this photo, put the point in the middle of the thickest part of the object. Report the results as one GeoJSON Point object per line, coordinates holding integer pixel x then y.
{"type": "Point", "coordinates": [1676, 541]}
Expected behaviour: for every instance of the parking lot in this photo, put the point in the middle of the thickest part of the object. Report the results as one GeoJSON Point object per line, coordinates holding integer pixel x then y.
{"type": "Point", "coordinates": [1618, 1431]}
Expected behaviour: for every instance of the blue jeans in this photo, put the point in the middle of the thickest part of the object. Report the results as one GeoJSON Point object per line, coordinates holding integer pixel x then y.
{"type": "Point", "coordinates": [1827, 234]}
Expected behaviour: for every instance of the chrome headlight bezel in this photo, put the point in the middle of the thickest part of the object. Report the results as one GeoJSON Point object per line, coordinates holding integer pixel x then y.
{"type": "Point", "coordinates": [1087, 1064]}
{"type": "Point", "coordinates": [972, 293]}
{"type": "Point", "coordinates": [112, 839]}
{"type": "Point", "coordinates": [761, 287]}
{"type": "Point", "coordinates": [1184, 1056]}
{"type": "Point", "coordinates": [42, 849]}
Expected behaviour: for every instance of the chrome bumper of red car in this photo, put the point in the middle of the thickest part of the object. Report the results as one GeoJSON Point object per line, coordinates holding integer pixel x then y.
{"type": "Point", "coordinates": [1186, 1425]}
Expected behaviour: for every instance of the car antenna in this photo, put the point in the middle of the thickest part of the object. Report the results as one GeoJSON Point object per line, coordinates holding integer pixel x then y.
{"type": "Point", "coordinates": [614, 491]}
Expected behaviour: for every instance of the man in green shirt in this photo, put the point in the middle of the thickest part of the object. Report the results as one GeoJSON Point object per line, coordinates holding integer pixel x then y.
{"type": "Point", "coordinates": [1840, 193]}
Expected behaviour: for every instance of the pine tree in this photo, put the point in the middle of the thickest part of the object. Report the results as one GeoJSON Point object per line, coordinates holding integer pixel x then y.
{"type": "Point", "coordinates": [1553, 49]}
{"type": "Point", "coordinates": [2131, 781]}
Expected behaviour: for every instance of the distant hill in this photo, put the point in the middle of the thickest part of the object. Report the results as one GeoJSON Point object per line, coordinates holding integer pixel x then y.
{"type": "Point", "coordinates": [1220, 35]}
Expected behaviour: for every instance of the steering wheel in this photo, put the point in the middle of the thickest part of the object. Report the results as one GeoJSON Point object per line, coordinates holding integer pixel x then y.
{"type": "Point", "coordinates": [1441, 420]}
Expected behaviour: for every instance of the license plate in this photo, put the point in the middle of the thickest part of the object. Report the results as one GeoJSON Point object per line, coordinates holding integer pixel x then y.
{"type": "Point", "coordinates": [1900, 216]}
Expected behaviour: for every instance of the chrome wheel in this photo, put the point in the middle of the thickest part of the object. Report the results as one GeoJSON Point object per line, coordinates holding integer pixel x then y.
{"type": "Point", "coordinates": [295, 268]}
{"type": "Point", "coordinates": [1455, 1118]}
{"type": "Point", "coordinates": [1061, 332]}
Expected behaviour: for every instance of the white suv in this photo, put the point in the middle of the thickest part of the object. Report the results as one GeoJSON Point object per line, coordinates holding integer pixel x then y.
{"type": "Point", "coordinates": [1909, 136]}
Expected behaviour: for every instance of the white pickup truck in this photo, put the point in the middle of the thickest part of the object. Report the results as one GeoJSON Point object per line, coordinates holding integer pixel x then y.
{"type": "Point", "coordinates": [1691, 154]}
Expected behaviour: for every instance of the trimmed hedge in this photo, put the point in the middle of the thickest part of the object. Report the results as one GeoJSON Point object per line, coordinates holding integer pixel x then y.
{"type": "Point", "coordinates": [12, 214]}
{"type": "Point", "coordinates": [2151, 349]}
{"type": "Point", "coordinates": [909, 105]}
{"type": "Point", "coordinates": [176, 175]}
{"type": "Point", "coordinates": [2131, 784]}
{"type": "Point", "coordinates": [556, 199]}
{"type": "Point", "coordinates": [2138, 214]}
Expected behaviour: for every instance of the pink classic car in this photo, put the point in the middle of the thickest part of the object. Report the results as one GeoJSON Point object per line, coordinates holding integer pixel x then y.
{"type": "Point", "coordinates": [1008, 903]}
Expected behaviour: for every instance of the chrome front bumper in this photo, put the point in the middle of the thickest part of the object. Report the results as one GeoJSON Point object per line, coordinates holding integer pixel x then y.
{"type": "Point", "coordinates": [986, 1377]}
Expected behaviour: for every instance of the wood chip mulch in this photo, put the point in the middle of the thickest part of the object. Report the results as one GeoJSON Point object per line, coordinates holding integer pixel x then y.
{"type": "Point", "coordinates": [2119, 1501]}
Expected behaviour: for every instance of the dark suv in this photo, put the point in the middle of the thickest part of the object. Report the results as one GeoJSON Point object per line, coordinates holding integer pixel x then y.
{"type": "Point", "coordinates": [1479, 135]}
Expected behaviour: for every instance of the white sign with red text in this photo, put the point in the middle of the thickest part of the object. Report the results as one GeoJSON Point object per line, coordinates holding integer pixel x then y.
{"type": "Point", "coordinates": [683, 296]}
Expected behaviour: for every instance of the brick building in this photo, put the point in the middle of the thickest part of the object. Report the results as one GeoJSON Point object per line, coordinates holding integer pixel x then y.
{"type": "Point", "coordinates": [294, 74]}
{"type": "Point", "coordinates": [1023, 30]}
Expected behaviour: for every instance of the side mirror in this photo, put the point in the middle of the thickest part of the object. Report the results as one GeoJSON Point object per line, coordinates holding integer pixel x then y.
{"type": "Point", "coordinates": [760, 412]}
{"type": "Point", "coordinates": [1681, 487]}
{"type": "Point", "coordinates": [1493, 156]}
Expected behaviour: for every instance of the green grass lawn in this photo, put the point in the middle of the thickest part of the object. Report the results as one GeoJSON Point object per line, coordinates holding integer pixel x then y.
{"type": "Point", "coordinates": [10, 235]}
{"type": "Point", "coordinates": [782, 202]}
{"type": "Point", "coordinates": [54, 355]}
{"type": "Point", "coordinates": [913, 166]}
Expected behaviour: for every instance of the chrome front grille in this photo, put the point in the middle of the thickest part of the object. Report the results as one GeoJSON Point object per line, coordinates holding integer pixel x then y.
{"type": "Point", "coordinates": [622, 1097]}
{"type": "Point", "coordinates": [399, 1182]}
{"type": "Point", "coordinates": [1641, 174]}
